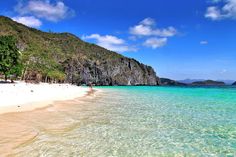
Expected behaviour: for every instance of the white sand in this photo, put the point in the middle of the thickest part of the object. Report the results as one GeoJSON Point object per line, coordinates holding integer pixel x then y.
{"type": "Point", "coordinates": [22, 96]}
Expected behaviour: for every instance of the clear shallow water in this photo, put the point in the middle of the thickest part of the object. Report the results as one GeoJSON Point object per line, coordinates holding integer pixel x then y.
{"type": "Point", "coordinates": [130, 122]}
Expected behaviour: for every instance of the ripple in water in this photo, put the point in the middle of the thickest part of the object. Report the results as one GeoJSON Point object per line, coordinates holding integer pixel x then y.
{"type": "Point", "coordinates": [127, 122]}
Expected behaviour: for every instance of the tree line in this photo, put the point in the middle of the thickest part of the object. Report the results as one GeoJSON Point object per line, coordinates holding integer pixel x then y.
{"type": "Point", "coordinates": [12, 63]}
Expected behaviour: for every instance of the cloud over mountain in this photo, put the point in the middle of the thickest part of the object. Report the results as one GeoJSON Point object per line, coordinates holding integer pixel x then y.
{"type": "Point", "coordinates": [110, 42]}
{"type": "Point", "coordinates": [30, 21]}
{"type": "Point", "coordinates": [44, 9]}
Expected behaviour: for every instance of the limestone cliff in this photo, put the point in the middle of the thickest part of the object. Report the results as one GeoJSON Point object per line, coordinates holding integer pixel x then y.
{"type": "Point", "coordinates": [47, 56]}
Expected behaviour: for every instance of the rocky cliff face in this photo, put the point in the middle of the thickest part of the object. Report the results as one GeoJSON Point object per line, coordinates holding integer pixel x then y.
{"type": "Point", "coordinates": [117, 71]}
{"type": "Point", "coordinates": [234, 84]}
{"type": "Point", "coordinates": [45, 54]}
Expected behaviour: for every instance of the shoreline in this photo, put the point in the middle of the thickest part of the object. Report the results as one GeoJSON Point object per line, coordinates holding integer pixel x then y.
{"type": "Point", "coordinates": [18, 123]}
{"type": "Point", "coordinates": [22, 97]}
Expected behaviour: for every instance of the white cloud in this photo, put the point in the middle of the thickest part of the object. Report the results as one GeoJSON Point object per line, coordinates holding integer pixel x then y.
{"type": "Point", "coordinates": [230, 9]}
{"type": "Point", "coordinates": [147, 28]}
{"type": "Point", "coordinates": [155, 37]}
{"type": "Point", "coordinates": [148, 21]}
{"type": "Point", "coordinates": [203, 42]}
{"type": "Point", "coordinates": [105, 39]}
{"type": "Point", "coordinates": [227, 11]}
{"type": "Point", "coordinates": [44, 9]}
{"type": "Point", "coordinates": [110, 42]}
{"type": "Point", "coordinates": [213, 13]}
{"type": "Point", "coordinates": [141, 30]}
{"type": "Point", "coordinates": [30, 21]}
{"type": "Point", "coordinates": [155, 42]}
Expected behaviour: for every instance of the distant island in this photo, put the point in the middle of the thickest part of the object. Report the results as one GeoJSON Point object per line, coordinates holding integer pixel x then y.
{"type": "Point", "coordinates": [208, 83]}
{"type": "Point", "coordinates": [190, 82]}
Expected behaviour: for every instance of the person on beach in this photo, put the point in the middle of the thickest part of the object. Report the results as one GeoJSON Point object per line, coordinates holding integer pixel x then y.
{"type": "Point", "coordinates": [90, 86]}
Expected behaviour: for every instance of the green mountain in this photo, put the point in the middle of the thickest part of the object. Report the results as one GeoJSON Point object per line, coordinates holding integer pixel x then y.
{"type": "Point", "coordinates": [208, 83]}
{"type": "Point", "coordinates": [64, 57]}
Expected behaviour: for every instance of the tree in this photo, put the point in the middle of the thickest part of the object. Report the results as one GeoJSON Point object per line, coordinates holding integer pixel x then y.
{"type": "Point", "coordinates": [56, 76]}
{"type": "Point", "coordinates": [9, 57]}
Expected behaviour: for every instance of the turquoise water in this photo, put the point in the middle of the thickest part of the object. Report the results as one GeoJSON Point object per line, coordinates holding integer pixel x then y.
{"type": "Point", "coordinates": [143, 121]}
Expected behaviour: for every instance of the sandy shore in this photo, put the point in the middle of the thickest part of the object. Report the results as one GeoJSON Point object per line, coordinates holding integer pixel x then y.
{"type": "Point", "coordinates": [22, 96]}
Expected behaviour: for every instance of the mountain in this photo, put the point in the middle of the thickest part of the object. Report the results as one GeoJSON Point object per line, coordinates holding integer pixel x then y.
{"type": "Point", "coordinates": [189, 81]}
{"type": "Point", "coordinates": [65, 57]}
{"type": "Point", "coordinates": [227, 82]}
{"type": "Point", "coordinates": [169, 82]}
{"type": "Point", "coordinates": [208, 83]}
{"type": "Point", "coordinates": [234, 84]}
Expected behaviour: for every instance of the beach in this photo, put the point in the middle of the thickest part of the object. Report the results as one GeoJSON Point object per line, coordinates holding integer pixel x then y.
{"type": "Point", "coordinates": [21, 96]}
{"type": "Point", "coordinates": [24, 105]}
{"type": "Point", "coordinates": [127, 121]}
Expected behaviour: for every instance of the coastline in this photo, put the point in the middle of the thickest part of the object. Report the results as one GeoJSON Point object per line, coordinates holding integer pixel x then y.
{"type": "Point", "coordinates": [148, 115]}
{"type": "Point", "coordinates": [21, 96]}
{"type": "Point", "coordinates": [17, 122]}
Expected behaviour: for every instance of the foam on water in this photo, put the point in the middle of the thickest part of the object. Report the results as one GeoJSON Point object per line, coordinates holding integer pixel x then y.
{"type": "Point", "coordinates": [136, 121]}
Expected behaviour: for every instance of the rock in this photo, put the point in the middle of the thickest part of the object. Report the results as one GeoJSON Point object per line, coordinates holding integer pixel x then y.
{"type": "Point", "coordinates": [234, 84]}
{"type": "Point", "coordinates": [117, 71]}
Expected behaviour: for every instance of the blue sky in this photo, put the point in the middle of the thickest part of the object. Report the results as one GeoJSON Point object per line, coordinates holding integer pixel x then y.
{"type": "Point", "coordinates": [179, 39]}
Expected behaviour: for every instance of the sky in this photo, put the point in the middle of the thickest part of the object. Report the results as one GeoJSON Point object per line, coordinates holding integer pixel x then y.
{"type": "Point", "coordinates": [181, 39]}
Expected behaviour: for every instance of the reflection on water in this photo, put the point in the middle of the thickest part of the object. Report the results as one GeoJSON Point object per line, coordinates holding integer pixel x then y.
{"type": "Point", "coordinates": [122, 121]}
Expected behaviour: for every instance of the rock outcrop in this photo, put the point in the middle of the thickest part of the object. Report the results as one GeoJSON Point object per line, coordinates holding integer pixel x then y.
{"type": "Point", "coordinates": [122, 71]}
{"type": "Point", "coordinates": [234, 84]}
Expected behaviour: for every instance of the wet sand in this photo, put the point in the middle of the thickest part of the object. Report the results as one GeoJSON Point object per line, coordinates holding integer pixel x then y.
{"type": "Point", "coordinates": [22, 128]}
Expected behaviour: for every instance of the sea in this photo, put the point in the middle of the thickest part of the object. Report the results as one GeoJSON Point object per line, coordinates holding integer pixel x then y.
{"type": "Point", "coordinates": [127, 121]}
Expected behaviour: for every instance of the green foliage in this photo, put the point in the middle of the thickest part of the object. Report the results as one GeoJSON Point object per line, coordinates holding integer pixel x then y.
{"type": "Point", "coordinates": [9, 56]}
{"type": "Point", "coordinates": [46, 53]}
{"type": "Point", "coordinates": [58, 75]}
